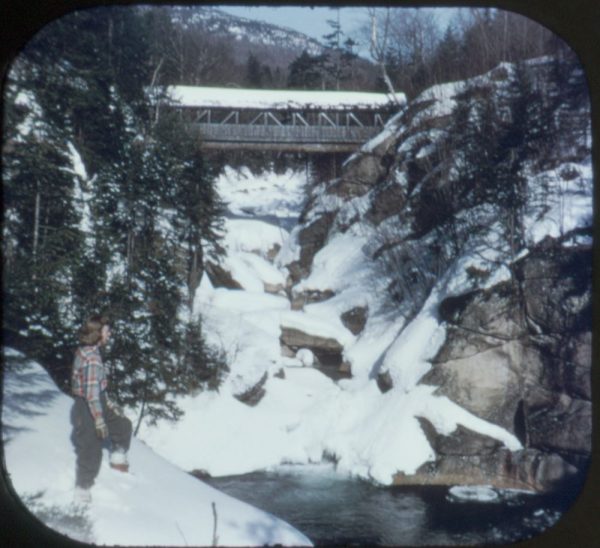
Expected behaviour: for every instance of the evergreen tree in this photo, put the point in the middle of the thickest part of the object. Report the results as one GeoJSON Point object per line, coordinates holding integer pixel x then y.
{"type": "Point", "coordinates": [40, 229]}
{"type": "Point", "coordinates": [254, 73]}
{"type": "Point", "coordinates": [306, 71]}
{"type": "Point", "coordinates": [104, 240]}
{"type": "Point", "coordinates": [447, 58]}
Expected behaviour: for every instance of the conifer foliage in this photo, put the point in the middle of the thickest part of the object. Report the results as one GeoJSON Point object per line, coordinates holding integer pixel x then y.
{"type": "Point", "coordinates": [108, 208]}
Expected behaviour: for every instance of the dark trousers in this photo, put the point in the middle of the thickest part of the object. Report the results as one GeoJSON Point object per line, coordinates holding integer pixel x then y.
{"type": "Point", "coordinates": [88, 447]}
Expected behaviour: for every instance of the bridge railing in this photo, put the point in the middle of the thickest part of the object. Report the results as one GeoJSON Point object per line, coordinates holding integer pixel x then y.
{"type": "Point", "coordinates": [241, 133]}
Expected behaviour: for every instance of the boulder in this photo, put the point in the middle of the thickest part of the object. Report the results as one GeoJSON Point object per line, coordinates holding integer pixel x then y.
{"type": "Point", "coordinates": [355, 319]}
{"type": "Point", "coordinates": [384, 381]}
{"type": "Point", "coordinates": [272, 253]}
{"type": "Point", "coordinates": [254, 394]}
{"type": "Point", "coordinates": [280, 373]}
{"type": "Point", "coordinates": [460, 442]}
{"type": "Point", "coordinates": [310, 296]}
{"type": "Point", "coordinates": [327, 351]}
{"type": "Point", "coordinates": [274, 289]}
{"type": "Point", "coordinates": [287, 352]}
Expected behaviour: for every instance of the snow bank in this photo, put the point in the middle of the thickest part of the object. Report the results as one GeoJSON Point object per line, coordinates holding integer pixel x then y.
{"type": "Point", "coordinates": [305, 416]}
{"type": "Point", "coordinates": [252, 236]}
{"type": "Point", "coordinates": [253, 272]}
{"type": "Point", "coordinates": [338, 265]}
{"type": "Point", "coordinates": [157, 503]}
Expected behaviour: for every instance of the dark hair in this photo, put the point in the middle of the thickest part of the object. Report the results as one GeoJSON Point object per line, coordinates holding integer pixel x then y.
{"type": "Point", "coordinates": [91, 332]}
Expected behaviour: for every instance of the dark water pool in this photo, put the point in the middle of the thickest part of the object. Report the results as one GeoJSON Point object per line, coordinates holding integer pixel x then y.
{"type": "Point", "coordinates": [332, 509]}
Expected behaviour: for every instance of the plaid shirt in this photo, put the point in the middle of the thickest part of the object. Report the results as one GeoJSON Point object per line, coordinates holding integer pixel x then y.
{"type": "Point", "coordinates": [89, 378]}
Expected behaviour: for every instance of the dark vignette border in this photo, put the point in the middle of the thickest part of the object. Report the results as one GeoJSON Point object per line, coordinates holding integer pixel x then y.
{"type": "Point", "coordinates": [575, 21]}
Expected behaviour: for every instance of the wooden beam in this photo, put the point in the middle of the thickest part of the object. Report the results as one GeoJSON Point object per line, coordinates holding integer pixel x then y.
{"type": "Point", "coordinates": [236, 116]}
{"type": "Point", "coordinates": [270, 115]}
{"type": "Point", "coordinates": [322, 116]}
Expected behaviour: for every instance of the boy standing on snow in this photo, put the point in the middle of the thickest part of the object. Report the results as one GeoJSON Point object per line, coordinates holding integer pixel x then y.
{"type": "Point", "coordinates": [95, 418]}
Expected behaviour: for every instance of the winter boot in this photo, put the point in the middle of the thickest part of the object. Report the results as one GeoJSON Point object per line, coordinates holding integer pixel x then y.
{"type": "Point", "coordinates": [118, 461]}
{"type": "Point", "coordinates": [82, 495]}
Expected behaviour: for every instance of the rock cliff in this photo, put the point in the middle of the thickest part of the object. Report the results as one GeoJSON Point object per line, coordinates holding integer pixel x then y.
{"type": "Point", "coordinates": [517, 349]}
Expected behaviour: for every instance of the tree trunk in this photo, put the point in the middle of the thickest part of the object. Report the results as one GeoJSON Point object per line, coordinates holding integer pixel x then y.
{"type": "Point", "coordinates": [36, 235]}
{"type": "Point", "coordinates": [378, 50]}
{"type": "Point", "coordinates": [195, 272]}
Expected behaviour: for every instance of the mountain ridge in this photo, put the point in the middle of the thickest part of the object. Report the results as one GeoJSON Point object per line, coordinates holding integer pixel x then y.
{"type": "Point", "coordinates": [257, 36]}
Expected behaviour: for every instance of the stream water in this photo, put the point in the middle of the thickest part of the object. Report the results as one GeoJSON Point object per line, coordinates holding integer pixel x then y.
{"type": "Point", "coordinates": [332, 509]}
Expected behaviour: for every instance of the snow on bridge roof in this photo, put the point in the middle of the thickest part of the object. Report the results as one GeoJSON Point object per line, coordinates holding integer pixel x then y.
{"type": "Point", "coordinates": [279, 99]}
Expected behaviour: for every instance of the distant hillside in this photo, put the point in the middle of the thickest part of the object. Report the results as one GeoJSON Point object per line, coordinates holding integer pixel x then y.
{"type": "Point", "coordinates": [274, 46]}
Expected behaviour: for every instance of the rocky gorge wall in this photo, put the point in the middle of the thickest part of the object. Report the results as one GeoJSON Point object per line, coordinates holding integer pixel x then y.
{"type": "Point", "coordinates": [519, 355]}
{"type": "Point", "coordinates": [517, 352]}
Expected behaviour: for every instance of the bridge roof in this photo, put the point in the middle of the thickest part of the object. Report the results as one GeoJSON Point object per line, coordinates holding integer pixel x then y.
{"type": "Point", "coordinates": [278, 99]}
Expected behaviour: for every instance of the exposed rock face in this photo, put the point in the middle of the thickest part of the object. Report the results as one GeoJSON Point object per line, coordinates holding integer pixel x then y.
{"type": "Point", "coordinates": [359, 179]}
{"type": "Point", "coordinates": [529, 469]}
{"type": "Point", "coordinates": [386, 200]}
{"type": "Point", "coordinates": [486, 361]}
{"type": "Point", "coordinates": [519, 355]}
{"type": "Point", "coordinates": [311, 239]}
{"type": "Point", "coordinates": [355, 319]}
{"type": "Point", "coordinates": [555, 284]}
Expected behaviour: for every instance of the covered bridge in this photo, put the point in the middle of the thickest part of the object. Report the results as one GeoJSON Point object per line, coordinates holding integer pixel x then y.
{"type": "Point", "coordinates": [257, 119]}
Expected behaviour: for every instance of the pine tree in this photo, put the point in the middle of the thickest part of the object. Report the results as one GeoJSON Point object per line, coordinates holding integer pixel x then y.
{"type": "Point", "coordinates": [254, 74]}
{"type": "Point", "coordinates": [105, 241]}
{"type": "Point", "coordinates": [447, 58]}
{"type": "Point", "coordinates": [306, 71]}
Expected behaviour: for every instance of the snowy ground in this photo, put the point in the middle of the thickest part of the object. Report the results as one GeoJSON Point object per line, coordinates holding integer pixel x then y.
{"type": "Point", "coordinates": [157, 503]}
